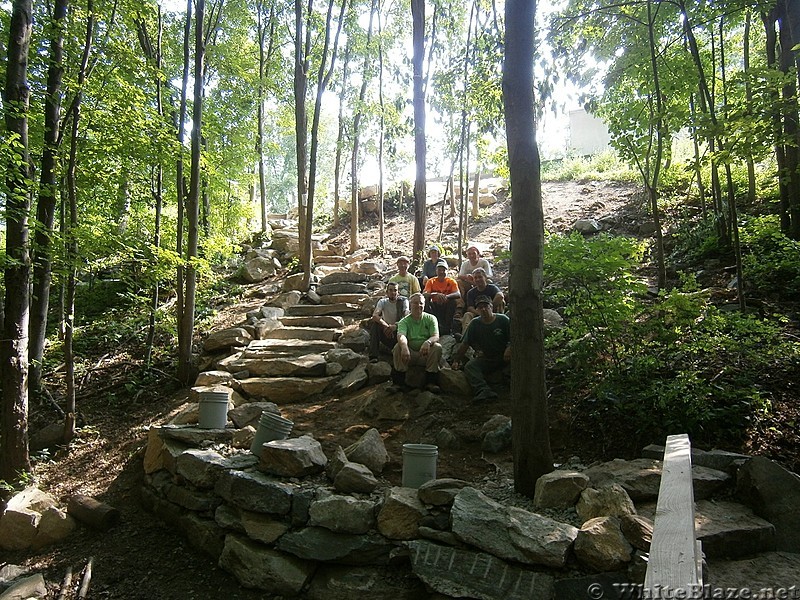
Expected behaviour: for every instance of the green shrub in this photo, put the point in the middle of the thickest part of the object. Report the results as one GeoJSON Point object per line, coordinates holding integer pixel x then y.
{"type": "Point", "coordinates": [770, 260]}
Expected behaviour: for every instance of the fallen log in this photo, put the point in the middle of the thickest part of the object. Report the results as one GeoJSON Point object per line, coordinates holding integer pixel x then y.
{"type": "Point", "coordinates": [94, 513]}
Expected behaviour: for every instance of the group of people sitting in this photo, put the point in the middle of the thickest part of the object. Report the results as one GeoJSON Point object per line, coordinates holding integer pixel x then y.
{"type": "Point", "coordinates": [416, 311]}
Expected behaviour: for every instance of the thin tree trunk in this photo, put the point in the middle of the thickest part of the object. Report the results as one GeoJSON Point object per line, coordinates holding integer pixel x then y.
{"type": "Point", "coordinates": [301, 62]}
{"type": "Point", "coordinates": [264, 56]}
{"type": "Point", "coordinates": [193, 202]}
{"type": "Point", "coordinates": [14, 457]}
{"type": "Point", "coordinates": [748, 94]}
{"type": "Point", "coordinates": [420, 147]}
{"type": "Point", "coordinates": [531, 437]}
{"type": "Point", "coordinates": [46, 205]}
{"type": "Point", "coordinates": [340, 137]}
{"type": "Point", "coordinates": [382, 127]}
{"type": "Point", "coordinates": [355, 244]}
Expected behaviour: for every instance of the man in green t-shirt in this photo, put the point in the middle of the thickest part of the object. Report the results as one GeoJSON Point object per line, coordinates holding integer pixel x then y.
{"type": "Point", "coordinates": [490, 336]}
{"type": "Point", "coordinates": [417, 344]}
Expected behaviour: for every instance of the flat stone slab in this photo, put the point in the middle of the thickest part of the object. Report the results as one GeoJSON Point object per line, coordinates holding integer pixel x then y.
{"type": "Point", "coordinates": [277, 348]}
{"type": "Point", "coordinates": [731, 530]}
{"type": "Point", "coordinates": [303, 333]}
{"type": "Point", "coordinates": [323, 259]}
{"type": "Point", "coordinates": [329, 321]}
{"type": "Point", "coordinates": [341, 288]}
{"type": "Point", "coordinates": [285, 390]}
{"type": "Point", "coordinates": [303, 310]}
{"type": "Point", "coordinates": [771, 570]}
{"type": "Point", "coordinates": [468, 574]}
{"type": "Point", "coordinates": [344, 298]}
{"type": "Point", "coordinates": [309, 365]}
{"type": "Point", "coordinates": [344, 277]}
{"type": "Point", "coordinates": [641, 478]}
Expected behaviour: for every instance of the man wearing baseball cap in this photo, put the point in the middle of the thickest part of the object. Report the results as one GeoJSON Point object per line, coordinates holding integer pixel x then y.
{"type": "Point", "coordinates": [466, 279]}
{"type": "Point", "coordinates": [490, 337]}
{"type": "Point", "coordinates": [429, 266]}
{"type": "Point", "coordinates": [407, 284]}
{"type": "Point", "coordinates": [441, 295]}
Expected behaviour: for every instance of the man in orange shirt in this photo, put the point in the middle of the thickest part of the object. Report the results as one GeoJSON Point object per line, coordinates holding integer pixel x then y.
{"type": "Point", "coordinates": [441, 295]}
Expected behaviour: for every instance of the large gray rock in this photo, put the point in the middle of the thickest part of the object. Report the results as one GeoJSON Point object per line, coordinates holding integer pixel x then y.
{"type": "Point", "coordinates": [25, 588]}
{"type": "Point", "coordinates": [731, 530]}
{"type": "Point", "coordinates": [322, 309]}
{"type": "Point", "coordinates": [641, 478]}
{"type": "Point", "coordinates": [296, 457]}
{"type": "Point", "coordinates": [255, 491]}
{"type": "Point", "coordinates": [250, 413]}
{"type": "Point", "coordinates": [324, 334]}
{"type": "Point", "coordinates": [401, 513]}
{"type": "Point", "coordinates": [319, 543]}
{"type": "Point", "coordinates": [345, 357]}
{"type": "Point", "coordinates": [194, 436]}
{"type": "Point", "coordinates": [354, 477]}
{"type": "Point", "coordinates": [440, 492]}
{"type": "Point", "coordinates": [341, 288]}
{"type": "Point", "coordinates": [32, 519]}
{"type": "Point", "coordinates": [333, 582]}
{"type": "Point", "coordinates": [207, 378]}
{"type": "Point", "coordinates": [201, 468]}
{"type": "Point", "coordinates": [258, 269]}
{"type": "Point", "coordinates": [308, 365]}
{"type": "Point", "coordinates": [353, 381]}
{"type": "Point", "coordinates": [286, 300]}
{"type": "Point", "coordinates": [283, 348]}
{"type": "Point", "coordinates": [369, 451]}
{"type": "Point", "coordinates": [460, 573]}
{"type": "Point", "coordinates": [262, 528]}
{"type": "Point", "coordinates": [226, 339]}
{"type": "Point", "coordinates": [257, 566]}
{"type": "Point", "coordinates": [608, 501]}
{"type": "Point", "coordinates": [510, 533]}
{"type": "Point", "coordinates": [559, 489]}
{"type": "Point", "coordinates": [638, 530]}
{"type": "Point", "coordinates": [601, 546]}
{"type": "Point", "coordinates": [343, 514]}
{"type": "Point", "coordinates": [329, 321]}
{"type": "Point", "coordinates": [285, 390]}
{"type": "Point", "coordinates": [774, 494]}
{"type": "Point", "coordinates": [454, 382]}
{"type": "Point", "coordinates": [343, 277]}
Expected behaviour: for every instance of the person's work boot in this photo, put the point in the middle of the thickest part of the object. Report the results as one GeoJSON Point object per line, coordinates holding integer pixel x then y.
{"type": "Point", "coordinates": [432, 382]}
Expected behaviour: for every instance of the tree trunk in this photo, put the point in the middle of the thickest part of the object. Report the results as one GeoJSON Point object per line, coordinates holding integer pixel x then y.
{"type": "Point", "coordinates": [382, 128]}
{"type": "Point", "coordinates": [531, 438]}
{"type": "Point", "coordinates": [301, 50]}
{"type": "Point", "coordinates": [420, 148]}
{"type": "Point", "coordinates": [193, 203]}
{"type": "Point", "coordinates": [70, 232]}
{"type": "Point", "coordinates": [14, 457]}
{"type": "Point", "coordinates": [340, 137]}
{"type": "Point", "coordinates": [791, 115]}
{"type": "Point", "coordinates": [264, 55]}
{"type": "Point", "coordinates": [46, 206]}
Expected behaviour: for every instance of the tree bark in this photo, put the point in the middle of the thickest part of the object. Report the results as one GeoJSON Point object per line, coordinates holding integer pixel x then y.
{"type": "Point", "coordinates": [46, 205]}
{"type": "Point", "coordinates": [531, 438]}
{"type": "Point", "coordinates": [420, 147]}
{"type": "Point", "coordinates": [14, 457]}
{"type": "Point", "coordinates": [193, 202]}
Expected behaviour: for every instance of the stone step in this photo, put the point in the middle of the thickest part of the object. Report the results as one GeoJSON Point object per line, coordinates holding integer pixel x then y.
{"type": "Point", "coordinates": [329, 260]}
{"type": "Point", "coordinates": [731, 530]}
{"type": "Point", "coordinates": [343, 287]}
{"type": "Point", "coordinates": [310, 365]}
{"type": "Point", "coordinates": [303, 310]}
{"type": "Point", "coordinates": [329, 321]}
{"type": "Point", "coordinates": [344, 298]}
{"type": "Point", "coordinates": [277, 348]}
{"type": "Point", "coordinates": [303, 333]}
{"type": "Point", "coordinates": [285, 390]}
{"type": "Point", "coordinates": [344, 277]}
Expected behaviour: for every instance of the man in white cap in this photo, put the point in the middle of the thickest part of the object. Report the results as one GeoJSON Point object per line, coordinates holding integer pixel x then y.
{"type": "Point", "coordinates": [407, 284]}
{"type": "Point", "coordinates": [429, 266]}
{"type": "Point", "coordinates": [490, 337]}
{"type": "Point", "coordinates": [465, 278]}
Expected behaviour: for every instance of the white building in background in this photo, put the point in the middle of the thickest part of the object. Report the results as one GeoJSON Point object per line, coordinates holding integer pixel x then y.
{"type": "Point", "coordinates": [587, 134]}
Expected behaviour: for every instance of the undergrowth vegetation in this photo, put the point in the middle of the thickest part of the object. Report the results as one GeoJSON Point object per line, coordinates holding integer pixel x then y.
{"type": "Point", "coordinates": [640, 365]}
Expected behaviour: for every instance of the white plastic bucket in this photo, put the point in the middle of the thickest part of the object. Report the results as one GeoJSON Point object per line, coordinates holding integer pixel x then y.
{"type": "Point", "coordinates": [270, 427]}
{"type": "Point", "coordinates": [213, 410]}
{"type": "Point", "coordinates": [419, 464]}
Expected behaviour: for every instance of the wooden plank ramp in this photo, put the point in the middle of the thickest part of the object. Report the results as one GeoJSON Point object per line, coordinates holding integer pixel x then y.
{"type": "Point", "coordinates": [675, 553]}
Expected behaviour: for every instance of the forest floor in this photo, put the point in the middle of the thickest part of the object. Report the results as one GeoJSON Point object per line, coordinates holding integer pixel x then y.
{"type": "Point", "coordinates": [141, 558]}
